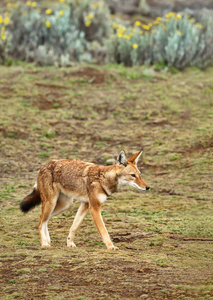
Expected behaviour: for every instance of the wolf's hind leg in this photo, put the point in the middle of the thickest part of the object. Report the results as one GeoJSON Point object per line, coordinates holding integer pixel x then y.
{"type": "Point", "coordinates": [48, 205]}
{"type": "Point", "coordinates": [81, 213]}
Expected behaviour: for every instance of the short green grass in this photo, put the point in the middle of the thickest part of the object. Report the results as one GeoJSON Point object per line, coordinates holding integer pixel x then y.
{"type": "Point", "coordinates": [165, 236]}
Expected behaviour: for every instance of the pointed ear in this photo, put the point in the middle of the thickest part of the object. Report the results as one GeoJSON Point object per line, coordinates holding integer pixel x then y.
{"type": "Point", "coordinates": [134, 159]}
{"type": "Point", "coordinates": [122, 160]}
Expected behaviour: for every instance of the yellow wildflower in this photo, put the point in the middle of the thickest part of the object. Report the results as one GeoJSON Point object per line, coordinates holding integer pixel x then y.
{"type": "Point", "coordinates": [150, 24]}
{"type": "Point", "coordinates": [146, 27]}
{"type": "Point", "coordinates": [48, 24]}
{"type": "Point", "coordinates": [131, 34]}
{"type": "Point", "coordinates": [90, 16]}
{"type": "Point", "coordinates": [9, 5]}
{"type": "Point", "coordinates": [95, 5]}
{"type": "Point", "coordinates": [33, 4]}
{"type": "Point", "coordinates": [126, 37]}
{"type": "Point", "coordinates": [121, 27]}
{"type": "Point", "coordinates": [121, 30]}
{"type": "Point", "coordinates": [179, 32]}
{"type": "Point", "coordinates": [88, 23]}
{"type": "Point", "coordinates": [3, 36]}
{"type": "Point", "coordinates": [169, 15]}
{"type": "Point", "coordinates": [3, 28]}
{"type": "Point", "coordinates": [1, 19]}
{"type": "Point", "coordinates": [133, 30]}
{"type": "Point", "coordinates": [199, 25]}
{"type": "Point", "coordinates": [62, 1]}
{"type": "Point", "coordinates": [61, 12]}
{"type": "Point", "coordinates": [48, 11]}
{"type": "Point", "coordinates": [178, 16]}
{"type": "Point", "coordinates": [135, 46]}
{"type": "Point", "coordinates": [159, 19]}
{"type": "Point", "coordinates": [119, 34]}
{"type": "Point", "coordinates": [6, 21]}
{"type": "Point", "coordinates": [28, 3]}
{"type": "Point", "coordinates": [137, 23]}
{"type": "Point", "coordinates": [156, 22]}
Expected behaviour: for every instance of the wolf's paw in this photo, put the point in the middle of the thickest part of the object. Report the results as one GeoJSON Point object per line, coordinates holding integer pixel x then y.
{"type": "Point", "coordinates": [113, 248]}
{"type": "Point", "coordinates": [71, 244]}
{"type": "Point", "coordinates": [45, 246]}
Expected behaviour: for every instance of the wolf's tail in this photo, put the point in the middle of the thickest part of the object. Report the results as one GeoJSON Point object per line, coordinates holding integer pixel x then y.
{"type": "Point", "coordinates": [30, 201]}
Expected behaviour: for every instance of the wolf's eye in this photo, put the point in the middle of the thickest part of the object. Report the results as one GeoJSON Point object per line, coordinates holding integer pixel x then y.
{"type": "Point", "coordinates": [133, 175]}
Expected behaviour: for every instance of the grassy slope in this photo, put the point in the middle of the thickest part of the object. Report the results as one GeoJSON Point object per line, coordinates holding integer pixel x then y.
{"type": "Point", "coordinates": [165, 236]}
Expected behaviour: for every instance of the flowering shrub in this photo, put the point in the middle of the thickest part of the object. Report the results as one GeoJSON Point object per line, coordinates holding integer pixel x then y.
{"type": "Point", "coordinates": [175, 40]}
{"type": "Point", "coordinates": [83, 30]}
{"type": "Point", "coordinates": [53, 36]}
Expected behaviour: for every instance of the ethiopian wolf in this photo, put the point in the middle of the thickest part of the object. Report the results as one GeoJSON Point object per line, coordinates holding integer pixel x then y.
{"type": "Point", "coordinates": [61, 181]}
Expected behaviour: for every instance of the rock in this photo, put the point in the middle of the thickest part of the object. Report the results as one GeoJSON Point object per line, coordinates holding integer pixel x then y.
{"type": "Point", "coordinates": [156, 8]}
{"type": "Point", "coordinates": [110, 161]}
{"type": "Point", "coordinates": [149, 72]}
{"type": "Point", "coordinates": [180, 5]}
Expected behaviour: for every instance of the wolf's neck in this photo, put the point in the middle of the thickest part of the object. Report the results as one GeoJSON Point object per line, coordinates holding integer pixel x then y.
{"type": "Point", "coordinates": [109, 179]}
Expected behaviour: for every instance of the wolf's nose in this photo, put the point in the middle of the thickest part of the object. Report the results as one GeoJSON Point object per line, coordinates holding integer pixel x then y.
{"type": "Point", "coordinates": [147, 188]}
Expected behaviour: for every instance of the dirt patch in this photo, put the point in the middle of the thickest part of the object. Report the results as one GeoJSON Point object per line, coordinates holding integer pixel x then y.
{"type": "Point", "coordinates": [46, 100]}
{"type": "Point", "coordinates": [43, 103]}
{"type": "Point", "coordinates": [196, 239]}
{"type": "Point", "coordinates": [92, 75]}
{"type": "Point", "coordinates": [16, 134]}
{"type": "Point", "coordinates": [6, 92]}
{"type": "Point", "coordinates": [129, 238]}
{"type": "Point", "coordinates": [198, 147]}
{"type": "Point", "coordinates": [51, 87]}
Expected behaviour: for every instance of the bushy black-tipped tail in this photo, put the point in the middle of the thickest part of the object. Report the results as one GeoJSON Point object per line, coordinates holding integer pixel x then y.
{"type": "Point", "coordinates": [30, 201]}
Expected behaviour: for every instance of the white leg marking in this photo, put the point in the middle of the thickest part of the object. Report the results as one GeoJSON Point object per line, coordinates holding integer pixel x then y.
{"type": "Point", "coordinates": [45, 235]}
{"type": "Point", "coordinates": [102, 198]}
{"type": "Point", "coordinates": [81, 213]}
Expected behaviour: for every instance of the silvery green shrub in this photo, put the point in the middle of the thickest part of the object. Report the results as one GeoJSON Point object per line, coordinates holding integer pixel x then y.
{"type": "Point", "coordinates": [55, 36]}
{"type": "Point", "coordinates": [175, 40]}
{"type": "Point", "coordinates": [82, 30]}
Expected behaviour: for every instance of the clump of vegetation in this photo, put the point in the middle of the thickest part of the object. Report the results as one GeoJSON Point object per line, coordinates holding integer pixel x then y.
{"type": "Point", "coordinates": [176, 40]}
{"type": "Point", "coordinates": [83, 31]}
{"type": "Point", "coordinates": [53, 36]}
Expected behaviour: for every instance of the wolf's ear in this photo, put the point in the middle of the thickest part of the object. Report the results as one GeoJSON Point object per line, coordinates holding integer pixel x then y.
{"type": "Point", "coordinates": [134, 158]}
{"type": "Point", "coordinates": [122, 160]}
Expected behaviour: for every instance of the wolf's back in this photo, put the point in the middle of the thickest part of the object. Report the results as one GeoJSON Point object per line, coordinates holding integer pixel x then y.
{"type": "Point", "coordinates": [30, 201]}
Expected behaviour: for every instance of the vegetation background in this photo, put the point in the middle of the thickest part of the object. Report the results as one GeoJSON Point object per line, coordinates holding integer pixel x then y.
{"type": "Point", "coordinates": [89, 102]}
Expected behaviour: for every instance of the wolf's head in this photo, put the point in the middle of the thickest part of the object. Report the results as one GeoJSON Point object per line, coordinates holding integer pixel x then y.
{"type": "Point", "coordinates": [129, 173]}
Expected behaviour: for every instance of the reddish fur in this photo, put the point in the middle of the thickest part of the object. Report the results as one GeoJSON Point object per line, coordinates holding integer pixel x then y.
{"type": "Point", "coordinates": [60, 181]}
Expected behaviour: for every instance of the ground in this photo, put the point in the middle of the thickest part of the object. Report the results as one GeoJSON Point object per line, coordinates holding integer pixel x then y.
{"type": "Point", "coordinates": [164, 236]}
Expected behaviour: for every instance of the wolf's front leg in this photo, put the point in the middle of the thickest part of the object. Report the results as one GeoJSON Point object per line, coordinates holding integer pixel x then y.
{"type": "Point", "coordinates": [81, 213]}
{"type": "Point", "coordinates": [96, 215]}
